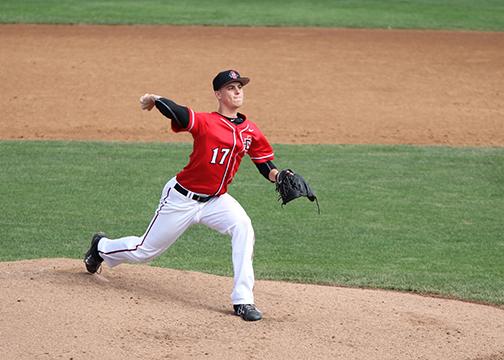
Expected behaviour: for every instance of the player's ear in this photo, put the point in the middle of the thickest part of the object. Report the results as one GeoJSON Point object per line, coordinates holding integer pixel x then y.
{"type": "Point", "coordinates": [218, 94]}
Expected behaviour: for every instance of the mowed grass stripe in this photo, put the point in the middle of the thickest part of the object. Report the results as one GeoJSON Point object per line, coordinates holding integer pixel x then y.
{"type": "Point", "coordinates": [424, 219]}
{"type": "Point", "coordinates": [425, 14]}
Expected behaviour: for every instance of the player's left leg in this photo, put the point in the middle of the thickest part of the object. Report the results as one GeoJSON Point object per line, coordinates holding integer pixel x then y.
{"type": "Point", "coordinates": [227, 216]}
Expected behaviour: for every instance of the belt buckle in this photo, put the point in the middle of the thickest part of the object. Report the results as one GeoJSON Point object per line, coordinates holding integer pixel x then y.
{"type": "Point", "coordinates": [190, 195]}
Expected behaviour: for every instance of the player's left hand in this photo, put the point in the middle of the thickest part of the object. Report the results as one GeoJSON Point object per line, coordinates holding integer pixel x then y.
{"type": "Point", "coordinates": [291, 185]}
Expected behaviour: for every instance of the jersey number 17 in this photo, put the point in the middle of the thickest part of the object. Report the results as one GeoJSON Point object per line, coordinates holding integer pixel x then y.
{"type": "Point", "coordinates": [215, 156]}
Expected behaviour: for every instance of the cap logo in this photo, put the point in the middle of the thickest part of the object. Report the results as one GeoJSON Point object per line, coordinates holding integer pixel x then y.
{"type": "Point", "coordinates": [233, 75]}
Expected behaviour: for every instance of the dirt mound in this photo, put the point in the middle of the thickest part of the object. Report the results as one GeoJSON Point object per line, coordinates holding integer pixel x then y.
{"type": "Point", "coordinates": [53, 309]}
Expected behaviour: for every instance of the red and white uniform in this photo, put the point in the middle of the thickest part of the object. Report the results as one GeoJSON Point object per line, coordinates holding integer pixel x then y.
{"type": "Point", "coordinates": [219, 146]}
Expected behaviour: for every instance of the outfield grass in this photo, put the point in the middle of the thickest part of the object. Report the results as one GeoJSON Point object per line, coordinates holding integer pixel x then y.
{"type": "Point", "coordinates": [425, 219]}
{"type": "Point", "coordinates": [420, 14]}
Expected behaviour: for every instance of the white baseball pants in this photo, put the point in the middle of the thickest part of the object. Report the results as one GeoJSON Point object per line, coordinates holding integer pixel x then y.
{"type": "Point", "coordinates": [174, 215]}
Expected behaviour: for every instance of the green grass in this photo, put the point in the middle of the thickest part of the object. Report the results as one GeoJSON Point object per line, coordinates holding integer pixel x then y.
{"type": "Point", "coordinates": [423, 219]}
{"type": "Point", "coordinates": [421, 14]}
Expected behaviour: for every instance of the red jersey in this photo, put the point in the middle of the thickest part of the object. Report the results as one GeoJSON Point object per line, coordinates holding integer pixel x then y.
{"type": "Point", "coordinates": [219, 146]}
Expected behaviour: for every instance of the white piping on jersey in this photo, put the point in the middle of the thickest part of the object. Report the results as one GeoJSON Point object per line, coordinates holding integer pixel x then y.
{"type": "Point", "coordinates": [262, 157]}
{"type": "Point", "coordinates": [191, 120]}
{"type": "Point", "coordinates": [253, 158]}
{"type": "Point", "coordinates": [243, 146]}
{"type": "Point", "coordinates": [241, 137]}
{"type": "Point", "coordinates": [229, 160]}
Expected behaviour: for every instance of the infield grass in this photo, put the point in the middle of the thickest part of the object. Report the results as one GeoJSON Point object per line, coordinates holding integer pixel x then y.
{"type": "Point", "coordinates": [419, 14]}
{"type": "Point", "coordinates": [423, 219]}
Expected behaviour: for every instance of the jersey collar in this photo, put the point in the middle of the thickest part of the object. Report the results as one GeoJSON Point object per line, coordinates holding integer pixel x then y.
{"type": "Point", "coordinates": [240, 119]}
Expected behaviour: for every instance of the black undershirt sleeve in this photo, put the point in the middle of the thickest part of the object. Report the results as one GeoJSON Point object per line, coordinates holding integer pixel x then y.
{"type": "Point", "coordinates": [173, 111]}
{"type": "Point", "coordinates": [265, 168]}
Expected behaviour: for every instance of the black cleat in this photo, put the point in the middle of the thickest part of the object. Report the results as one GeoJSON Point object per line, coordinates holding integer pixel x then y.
{"type": "Point", "coordinates": [248, 312]}
{"type": "Point", "coordinates": [92, 259]}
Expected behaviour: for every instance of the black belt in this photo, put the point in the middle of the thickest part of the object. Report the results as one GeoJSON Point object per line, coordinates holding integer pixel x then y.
{"type": "Point", "coordinates": [184, 192]}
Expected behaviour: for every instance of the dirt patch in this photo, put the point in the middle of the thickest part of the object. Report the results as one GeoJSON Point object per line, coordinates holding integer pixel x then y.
{"type": "Point", "coordinates": [53, 309]}
{"type": "Point", "coordinates": [308, 86]}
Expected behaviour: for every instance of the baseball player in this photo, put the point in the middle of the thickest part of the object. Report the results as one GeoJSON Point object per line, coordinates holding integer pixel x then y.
{"type": "Point", "coordinates": [198, 193]}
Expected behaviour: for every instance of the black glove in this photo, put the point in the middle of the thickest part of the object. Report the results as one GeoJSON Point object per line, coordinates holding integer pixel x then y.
{"type": "Point", "coordinates": [290, 186]}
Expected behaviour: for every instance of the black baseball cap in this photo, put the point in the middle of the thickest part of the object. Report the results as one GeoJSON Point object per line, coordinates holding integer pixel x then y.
{"type": "Point", "coordinates": [226, 77]}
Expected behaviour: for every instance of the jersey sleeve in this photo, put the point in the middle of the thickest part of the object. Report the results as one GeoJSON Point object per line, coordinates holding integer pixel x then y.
{"type": "Point", "coordinates": [260, 150]}
{"type": "Point", "coordinates": [192, 125]}
{"type": "Point", "coordinates": [178, 114]}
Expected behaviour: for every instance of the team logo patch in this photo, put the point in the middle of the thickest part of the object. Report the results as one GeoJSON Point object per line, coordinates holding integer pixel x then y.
{"type": "Point", "coordinates": [247, 142]}
{"type": "Point", "coordinates": [233, 75]}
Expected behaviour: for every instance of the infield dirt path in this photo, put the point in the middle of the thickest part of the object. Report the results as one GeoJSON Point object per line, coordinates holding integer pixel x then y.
{"type": "Point", "coordinates": [308, 86]}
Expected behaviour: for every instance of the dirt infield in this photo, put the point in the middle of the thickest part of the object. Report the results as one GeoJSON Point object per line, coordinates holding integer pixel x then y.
{"type": "Point", "coordinates": [308, 86]}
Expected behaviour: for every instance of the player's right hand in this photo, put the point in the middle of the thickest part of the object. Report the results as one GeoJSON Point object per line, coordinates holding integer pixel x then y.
{"type": "Point", "coordinates": [147, 101]}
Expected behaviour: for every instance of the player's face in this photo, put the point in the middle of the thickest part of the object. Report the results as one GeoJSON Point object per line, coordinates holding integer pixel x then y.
{"type": "Point", "coordinates": [231, 95]}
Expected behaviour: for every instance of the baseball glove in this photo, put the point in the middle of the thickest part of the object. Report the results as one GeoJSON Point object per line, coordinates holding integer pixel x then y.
{"type": "Point", "coordinates": [290, 186]}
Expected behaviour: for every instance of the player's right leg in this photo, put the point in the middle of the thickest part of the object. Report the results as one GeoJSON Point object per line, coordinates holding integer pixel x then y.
{"type": "Point", "coordinates": [173, 216]}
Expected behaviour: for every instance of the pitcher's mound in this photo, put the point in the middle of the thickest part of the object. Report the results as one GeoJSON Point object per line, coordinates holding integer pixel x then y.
{"type": "Point", "coordinates": [53, 309]}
